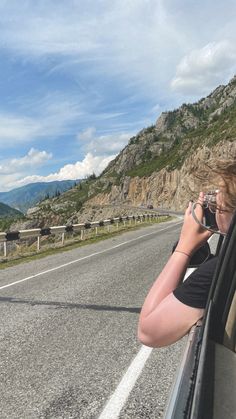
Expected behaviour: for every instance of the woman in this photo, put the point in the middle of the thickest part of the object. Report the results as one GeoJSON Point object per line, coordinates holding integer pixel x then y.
{"type": "Point", "coordinates": [171, 308]}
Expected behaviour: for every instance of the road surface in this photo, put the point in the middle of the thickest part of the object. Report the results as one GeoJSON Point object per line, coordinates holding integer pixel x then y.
{"type": "Point", "coordinates": [68, 332]}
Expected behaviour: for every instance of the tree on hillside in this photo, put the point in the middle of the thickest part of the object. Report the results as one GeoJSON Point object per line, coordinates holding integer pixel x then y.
{"type": "Point", "coordinates": [92, 176]}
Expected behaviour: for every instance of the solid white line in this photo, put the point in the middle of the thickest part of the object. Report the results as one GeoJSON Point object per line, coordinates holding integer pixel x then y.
{"type": "Point", "coordinates": [85, 257]}
{"type": "Point", "coordinates": [120, 395]}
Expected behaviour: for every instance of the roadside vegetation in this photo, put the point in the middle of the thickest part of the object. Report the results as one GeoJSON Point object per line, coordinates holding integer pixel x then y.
{"type": "Point", "coordinates": [6, 222]}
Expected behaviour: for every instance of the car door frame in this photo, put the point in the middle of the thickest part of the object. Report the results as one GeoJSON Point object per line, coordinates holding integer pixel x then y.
{"type": "Point", "coordinates": [193, 395]}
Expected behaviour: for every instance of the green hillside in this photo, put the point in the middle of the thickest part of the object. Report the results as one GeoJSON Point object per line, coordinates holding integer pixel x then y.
{"type": "Point", "coordinates": [221, 128]}
{"type": "Point", "coordinates": [7, 211]}
{"type": "Point", "coordinates": [29, 195]}
{"type": "Point", "coordinates": [8, 215]}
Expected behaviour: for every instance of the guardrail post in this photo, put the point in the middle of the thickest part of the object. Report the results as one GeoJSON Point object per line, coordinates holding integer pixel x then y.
{"type": "Point", "coordinates": [117, 226]}
{"type": "Point", "coordinates": [63, 239]}
{"type": "Point", "coordinates": [108, 228]}
{"type": "Point", "coordinates": [5, 249]}
{"type": "Point", "coordinates": [38, 243]}
{"type": "Point", "coordinates": [96, 231]}
{"type": "Point", "coordinates": [124, 222]}
{"type": "Point", "coordinates": [82, 234]}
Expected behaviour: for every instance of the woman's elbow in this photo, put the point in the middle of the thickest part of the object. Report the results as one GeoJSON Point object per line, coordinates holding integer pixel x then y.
{"type": "Point", "coordinates": [144, 339]}
{"type": "Point", "coordinates": [149, 339]}
{"type": "Point", "coordinates": [162, 334]}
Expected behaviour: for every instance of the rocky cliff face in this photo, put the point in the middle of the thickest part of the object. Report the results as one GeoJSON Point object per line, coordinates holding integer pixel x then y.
{"type": "Point", "coordinates": [158, 166]}
{"type": "Point", "coordinates": [167, 189]}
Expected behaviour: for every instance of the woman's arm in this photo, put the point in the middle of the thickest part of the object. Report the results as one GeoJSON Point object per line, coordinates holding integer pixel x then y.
{"type": "Point", "coordinates": [164, 319]}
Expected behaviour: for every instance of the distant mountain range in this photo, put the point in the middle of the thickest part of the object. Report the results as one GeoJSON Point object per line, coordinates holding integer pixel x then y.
{"type": "Point", "coordinates": [27, 196]}
{"type": "Point", "coordinates": [6, 211]}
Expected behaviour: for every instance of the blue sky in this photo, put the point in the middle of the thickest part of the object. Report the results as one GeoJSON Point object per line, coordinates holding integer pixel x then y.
{"type": "Point", "coordinates": [79, 78]}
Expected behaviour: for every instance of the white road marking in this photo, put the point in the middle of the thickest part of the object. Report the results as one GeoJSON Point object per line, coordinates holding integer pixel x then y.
{"type": "Point", "coordinates": [86, 257]}
{"type": "Point", "coordinates": [119, 397]}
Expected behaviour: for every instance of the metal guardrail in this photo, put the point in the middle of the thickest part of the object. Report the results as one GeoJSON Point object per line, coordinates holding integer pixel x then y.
{"type": "Point", "coordinates": [73, 228]}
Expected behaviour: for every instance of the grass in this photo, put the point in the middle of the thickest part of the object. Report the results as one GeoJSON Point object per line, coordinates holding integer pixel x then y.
{"type": "Point", "coordinates": [103, 234]}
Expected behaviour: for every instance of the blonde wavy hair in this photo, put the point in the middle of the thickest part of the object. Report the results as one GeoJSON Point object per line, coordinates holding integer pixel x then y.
{"type": "Point", "coordinates": [223, 173]}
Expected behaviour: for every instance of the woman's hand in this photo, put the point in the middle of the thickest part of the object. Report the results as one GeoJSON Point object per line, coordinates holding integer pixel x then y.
{"type": "Point", "coordinates": [192, 235]}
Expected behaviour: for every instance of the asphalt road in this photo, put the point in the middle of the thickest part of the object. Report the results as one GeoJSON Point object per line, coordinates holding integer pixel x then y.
{"type": "Point", "coordinates": [68, 331]}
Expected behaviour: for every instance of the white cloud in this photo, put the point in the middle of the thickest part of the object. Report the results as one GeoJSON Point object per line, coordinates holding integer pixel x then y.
{"type": "Point", "coordinates": [203, 68]}
{"type": "Point", "coordinates": [87, 134]}
{"type": "Point", "coordinates": [52, 117]}
{"type": "Point", "coordinates": [138, 41]}
{"type": "Point", "coordinates": [15, 129]}
{"type": "Point", "coordinates": [99, 151]}
{"type": "Point", "coordinates": [33, 159]}
{"type": "Point", "coordinates": [90, 164]}
{"type": "Point", "coordinates": [13, 170]}
{"type": "Point", "coordinates": [112, 143]}
{"type": "Point", "coordinates": [50, 33]}
{"type": "Point", "coordinates": [118, 39]}
{"type": "Point", "coordinates": [103, 144]}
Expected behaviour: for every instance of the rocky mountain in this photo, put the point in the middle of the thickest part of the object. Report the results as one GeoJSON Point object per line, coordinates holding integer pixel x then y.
{"type": "Point", "coordinates": [27, 196]}
{"type": "Point", "coordinates": [159, 165]}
